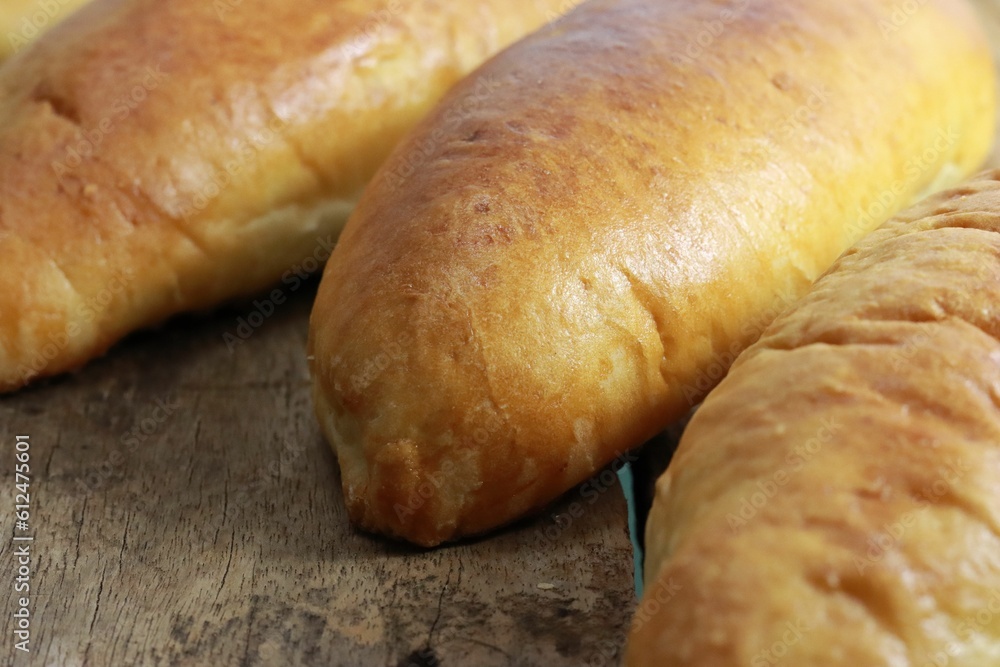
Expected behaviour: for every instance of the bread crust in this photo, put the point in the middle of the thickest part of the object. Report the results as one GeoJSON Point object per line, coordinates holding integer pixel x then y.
{"type": "Point", "coordinates": [842, 478]}
{"type": "Point", "coordinates": [611, 217]}
{"type": "Point", "coordinates": [164, 156]}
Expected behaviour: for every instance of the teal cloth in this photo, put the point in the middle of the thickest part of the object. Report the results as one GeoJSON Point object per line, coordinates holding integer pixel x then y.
{"type": "Point", "coordinates": [625, 477]}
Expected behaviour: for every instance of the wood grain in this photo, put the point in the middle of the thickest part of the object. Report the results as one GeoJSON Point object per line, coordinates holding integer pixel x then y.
{"type": "Point", "coordinates": [220, 537]}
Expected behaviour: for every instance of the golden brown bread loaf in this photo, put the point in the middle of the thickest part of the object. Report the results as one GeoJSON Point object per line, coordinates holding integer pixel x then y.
{"type": "Point", "coordinates": [22, 21]}
{"type": "Point", "coordinates": [157, 157]}
{"type": "Point", "coordinates": [834, 502]}
{"type": "Point", "coordinates": [546, 288]}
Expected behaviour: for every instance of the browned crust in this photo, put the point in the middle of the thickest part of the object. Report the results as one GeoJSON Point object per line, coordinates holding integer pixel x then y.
{"type": "Point", "coordinates": [160, 156]}
{"type": "Point", "coordinates": [595, 217]}
{"type": "Point", "coordinates": [863, 432]}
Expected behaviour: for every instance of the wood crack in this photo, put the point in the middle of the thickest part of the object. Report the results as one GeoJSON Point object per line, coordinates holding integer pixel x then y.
{"type": "Point", "coordinates": [93, 619]}
{"type": "Point", "coordinates": [229, 563]}
{"type": "Point", "coordinates": [440, 606]}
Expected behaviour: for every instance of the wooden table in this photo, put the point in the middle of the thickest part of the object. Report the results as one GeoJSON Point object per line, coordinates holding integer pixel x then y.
{"type": "Point", "coordinates": [186, 511]}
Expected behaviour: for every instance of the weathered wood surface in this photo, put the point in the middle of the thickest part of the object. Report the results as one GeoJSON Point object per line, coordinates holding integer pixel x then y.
{"type": "Point", "coordinates": [220, 537]}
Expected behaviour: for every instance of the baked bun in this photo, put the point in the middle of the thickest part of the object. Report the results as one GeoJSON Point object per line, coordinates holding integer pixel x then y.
{"type": "Point", "coordinates": [165, 156]}
{"type": "Point", "coordinates": [579, 253]}
{"type": "Point", "coordinates": [834, 502]}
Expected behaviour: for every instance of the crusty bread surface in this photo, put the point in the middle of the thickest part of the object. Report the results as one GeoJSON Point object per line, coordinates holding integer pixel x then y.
{"type": "Point", "coordinates": [547, 273]}
{"type": "Point", "coordinates": [834, 501]}
{"type": "Point", "coordinates": [159, 156]}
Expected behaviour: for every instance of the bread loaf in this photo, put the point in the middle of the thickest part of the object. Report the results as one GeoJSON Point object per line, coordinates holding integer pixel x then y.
{"type": "Point", "coordinates": [158, 157]}
{"type": "Point", "coordinates": [625, 208]}
{"type": "Point", "coordinates": [834, 501]}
